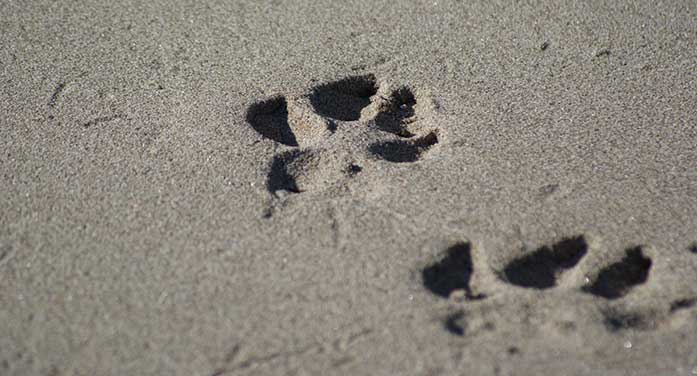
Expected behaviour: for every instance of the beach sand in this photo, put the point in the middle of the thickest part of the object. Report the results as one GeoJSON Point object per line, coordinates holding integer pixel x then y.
{"type": "Point", "coordinates": [331, 188]}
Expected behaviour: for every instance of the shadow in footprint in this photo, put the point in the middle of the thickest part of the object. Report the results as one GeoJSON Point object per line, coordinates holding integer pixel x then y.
{"type": "Point", "coordinates": [280, 176]}
{"type": "Point", "coordinates": [455, 323]}
{"type": "Point", "coordinates": [693, 248]}
{"type": "Point", "coordinates": [682, 304]}
{"type": "Point", "coordinates": [617, 321]}
{"type": "Point", "coordinates": [344, 99]}
{"type": "Point", "coordinates": [270, 119]}
{"type": "Point", "coordinates": [541, 268]}
{"type": "Point", "coordinates": [398, 113]}
{"type": "Point", "coordinates": [451, 273]}
{"type": "Point", "coordinates": [616, 280]}
{"type": "Point", "coordinates": [404, 151]}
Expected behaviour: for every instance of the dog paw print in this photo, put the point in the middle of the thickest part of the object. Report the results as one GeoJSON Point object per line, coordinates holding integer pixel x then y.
{"type": "Point", "coordinates": [327, 136]}
{"type": "Point", "coordinates": [553, 285]}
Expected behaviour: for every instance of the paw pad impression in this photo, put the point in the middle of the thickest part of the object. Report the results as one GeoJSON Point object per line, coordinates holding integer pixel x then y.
{"type": "Point", "coordinates": [307, 123]}
{"type": "Point", "coordinates": [541, 268]}
{"type": "Point", "coordinates": [617, 279]}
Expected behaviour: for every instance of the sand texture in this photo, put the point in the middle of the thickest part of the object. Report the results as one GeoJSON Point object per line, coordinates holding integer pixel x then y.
{"type": "Point", "coordinates": [435, 187]}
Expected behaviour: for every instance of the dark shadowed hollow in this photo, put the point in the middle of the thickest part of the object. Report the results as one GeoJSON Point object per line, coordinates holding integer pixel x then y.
{"type": "Point", "coordinates": [541, 268]}
{"type": "Point", "coordinates": [403, 151]}
{"type": "Point", "coordinates": [344, 99]}
{"type": "Point", "coordinates": [270, 119]}
{"type": "Point", "coordinates": [279, 177]}
{"type": "Point", "coordinates": [452, 272]}
{"type": "Point", "coordinates": [616, 280]}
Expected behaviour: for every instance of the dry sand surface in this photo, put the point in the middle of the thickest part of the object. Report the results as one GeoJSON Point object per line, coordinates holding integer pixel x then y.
{"type": "Point", "coordinates": [348, 188]}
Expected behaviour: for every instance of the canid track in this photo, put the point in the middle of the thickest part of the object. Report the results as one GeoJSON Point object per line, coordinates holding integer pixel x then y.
{"type": "Point", "coordinates": [462, 279]}
{"type": "Point", "coordinates": [303, 127]}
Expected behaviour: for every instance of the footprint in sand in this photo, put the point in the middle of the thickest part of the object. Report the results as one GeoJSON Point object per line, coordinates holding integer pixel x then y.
{"type": "Point", "coordinates": [536, 287]}
{"type": "Point", "coordinates": [326, 137]}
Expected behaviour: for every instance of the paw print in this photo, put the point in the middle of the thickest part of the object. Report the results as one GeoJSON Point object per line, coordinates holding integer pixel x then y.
{"type": "Point", "coordinates": [556, 285]}
{"type": "Point", "coordinates": [328, 136]}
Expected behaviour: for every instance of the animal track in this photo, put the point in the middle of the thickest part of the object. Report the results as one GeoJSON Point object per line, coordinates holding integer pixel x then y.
{"type": "Point", "coordinates": [404, 151]}
{"type": "Point", "coordinates": [454, 323]}
{"type": "Point", "coordinates": [615, 281]}
{"type": "Point", "coordinates": [270, 119]}
{"type": "Point", "coordinates": [683, 304]}
{"type": "Point", "coordinates": [457, 274]}
{"type": "Point", "coordinates": [451, 273]}
{"type": "Point", "coordinates": [298, 171]}
{"type": "Point", "coordinates": [617, 320]}
{"type": "Point", "coordinates": [541, 268]}
{"type": "Point", "coordinates": [344, 99]}
{"type": "Point", "coordinates": [398, 113]}
{"type": "Point", "coordinates": [328, 134]}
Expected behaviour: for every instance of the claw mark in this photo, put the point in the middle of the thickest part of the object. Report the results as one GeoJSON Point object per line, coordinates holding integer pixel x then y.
{"type": "Point", "coordinates": [232, 355]}
{"type": "Point", "coordinates": [603, 52]}
{"type": "Point", "coordinates": [56, 93]}
{"type": "Point", "coordinates": [102, 119]}
{"type": "Point", "coordinates": [682, 304]}
{"type": "Point", "coordinates": [548, 190]}
{"type": "Point", "coordinates": [257, 360]}
{"type": "Point", "coordinates": [455, 323]}
{"type": "Point", "coordinates": [343, 361]}
{"type": "Point", "coordinates": [334, 223]}
{"type": "Point", "coordinates": [616, 321]}
{"type": "Point", "coordinates": [344, 343]}
{"type": "Point", "coordinates": [6, 254]}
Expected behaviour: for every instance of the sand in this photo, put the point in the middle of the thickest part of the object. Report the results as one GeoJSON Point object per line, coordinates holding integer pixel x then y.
{"type": "Point", "coordinates": [324, 188]}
